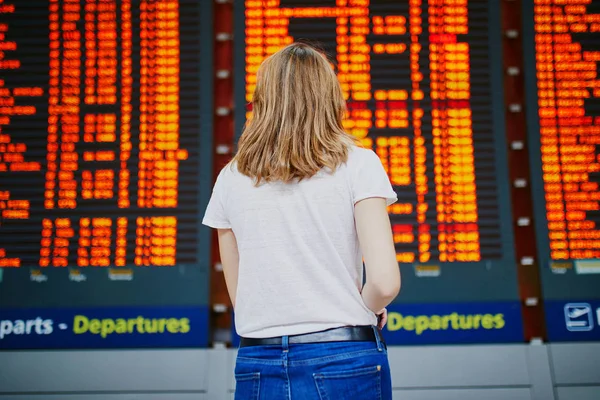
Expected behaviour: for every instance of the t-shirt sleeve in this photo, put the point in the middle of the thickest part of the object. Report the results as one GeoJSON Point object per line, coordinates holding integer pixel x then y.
{"type": "Point", "coordinates": [370, 179]}
{"type": "Point", "coordinates": [216, 213]}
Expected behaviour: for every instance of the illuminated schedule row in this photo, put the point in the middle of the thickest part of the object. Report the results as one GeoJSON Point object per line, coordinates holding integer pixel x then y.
{"type": "Point", "coordinates": [95, 140]}
{"type": "Point", "coordinates": [416, 77]}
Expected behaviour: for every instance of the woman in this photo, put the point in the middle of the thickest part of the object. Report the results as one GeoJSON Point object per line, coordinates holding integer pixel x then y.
{"type": "Point", "coordinates": [297, 210]}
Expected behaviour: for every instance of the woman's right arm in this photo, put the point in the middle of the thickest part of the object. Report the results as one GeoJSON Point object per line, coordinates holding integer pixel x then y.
{"type": "Point", "coordinates": [377, 245]}
{"type": "Point", "coordinates": [230, 259]}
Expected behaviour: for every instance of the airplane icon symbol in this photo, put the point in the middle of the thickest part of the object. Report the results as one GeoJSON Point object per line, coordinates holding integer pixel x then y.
{"type": "Point", "coordinates": [578, 317]}
{"type": "Point", "coordinates": [578, 312]}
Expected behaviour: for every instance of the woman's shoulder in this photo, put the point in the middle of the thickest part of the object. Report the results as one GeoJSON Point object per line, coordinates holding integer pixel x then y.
{"type": "Point", "coordinates": [228, 173]}
{"type": "Point", "coordinates": [231, 176]}
{"type": "Point", "coordinates": [230, 169]}
{"type": "Point", "coordinates": [360, 155]}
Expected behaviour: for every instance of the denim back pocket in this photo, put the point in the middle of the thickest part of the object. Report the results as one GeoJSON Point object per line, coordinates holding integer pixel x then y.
{"type": "Point", "coordinates": [247, 386]}
{"type": "Point", "coordinates": [356, 384]}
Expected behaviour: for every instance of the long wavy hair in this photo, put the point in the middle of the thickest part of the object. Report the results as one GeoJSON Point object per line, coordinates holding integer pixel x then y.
{"type": "Point", "coordinates": [296, 128]}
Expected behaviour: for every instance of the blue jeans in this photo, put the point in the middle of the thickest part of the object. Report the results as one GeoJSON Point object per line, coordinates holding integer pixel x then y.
{"type": "Point", "coordinates": [322, 371]}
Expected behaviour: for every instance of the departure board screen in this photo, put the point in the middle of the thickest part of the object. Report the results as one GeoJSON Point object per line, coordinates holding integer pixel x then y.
{"type": "Point", "coordinates": [424, 91]}
{"type": "Point", "coordinates": [101, 173]}
{"type": "Point", "coordinates": [564, 115]}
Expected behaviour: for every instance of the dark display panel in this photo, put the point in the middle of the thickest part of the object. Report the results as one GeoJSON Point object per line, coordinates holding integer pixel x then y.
{"type": "Point", "coordinates": [424, 91]}
{"type": "Point", "coordinates": [104, 152]}
{"type": "Point", "coordinates": [562, 54]}
{"type": "Point", "coordinates": [564, 96]}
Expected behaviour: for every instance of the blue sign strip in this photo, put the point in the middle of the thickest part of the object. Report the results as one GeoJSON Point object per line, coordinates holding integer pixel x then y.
{"type": "Point", "coordinates": [93, 328]}
{"type": "Point", "coordinates": [421, 324]}
{"type": "Point", "coordinates": [568, 321]}
{"type": "Point", "coordinates": [459, 323]}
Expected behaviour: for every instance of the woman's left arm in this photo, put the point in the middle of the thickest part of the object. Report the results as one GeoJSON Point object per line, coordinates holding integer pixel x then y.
{"type": "Point", "coordinates": [230, 260]}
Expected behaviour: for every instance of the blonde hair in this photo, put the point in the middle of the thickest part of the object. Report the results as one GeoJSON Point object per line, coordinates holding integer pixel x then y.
{"type": "Point", "coordinates": [296, 129]}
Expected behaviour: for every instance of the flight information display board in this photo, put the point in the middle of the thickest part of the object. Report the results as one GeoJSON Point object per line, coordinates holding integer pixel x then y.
{"type": "Point", "coordinates": [103, 172]}
{"type": "Point", "coordinates": [562, 50]}
{"type": "Point", "coordinates": [423, 84]}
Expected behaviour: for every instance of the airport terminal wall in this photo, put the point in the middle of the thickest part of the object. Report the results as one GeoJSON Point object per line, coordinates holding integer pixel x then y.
{"type": "Point", "coordinates": [117, 115]}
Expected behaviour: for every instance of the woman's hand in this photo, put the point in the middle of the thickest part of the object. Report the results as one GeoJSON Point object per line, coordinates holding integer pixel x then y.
{"type": "Point", "coordinates": [382, 318]}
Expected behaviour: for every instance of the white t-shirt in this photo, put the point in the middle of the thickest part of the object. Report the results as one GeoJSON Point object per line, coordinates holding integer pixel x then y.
{"type": "Point", "coordinates": [300, 265]}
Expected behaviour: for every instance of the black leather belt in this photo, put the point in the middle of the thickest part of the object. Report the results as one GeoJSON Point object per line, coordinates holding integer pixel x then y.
{"type": "Point", "coordinates": [344, 334]}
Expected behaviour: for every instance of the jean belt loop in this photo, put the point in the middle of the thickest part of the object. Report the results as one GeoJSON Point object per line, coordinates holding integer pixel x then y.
{"type": "Point", "coordinates": [377, 338]}
{"type": "Point", "coordinates": [285, 343]}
